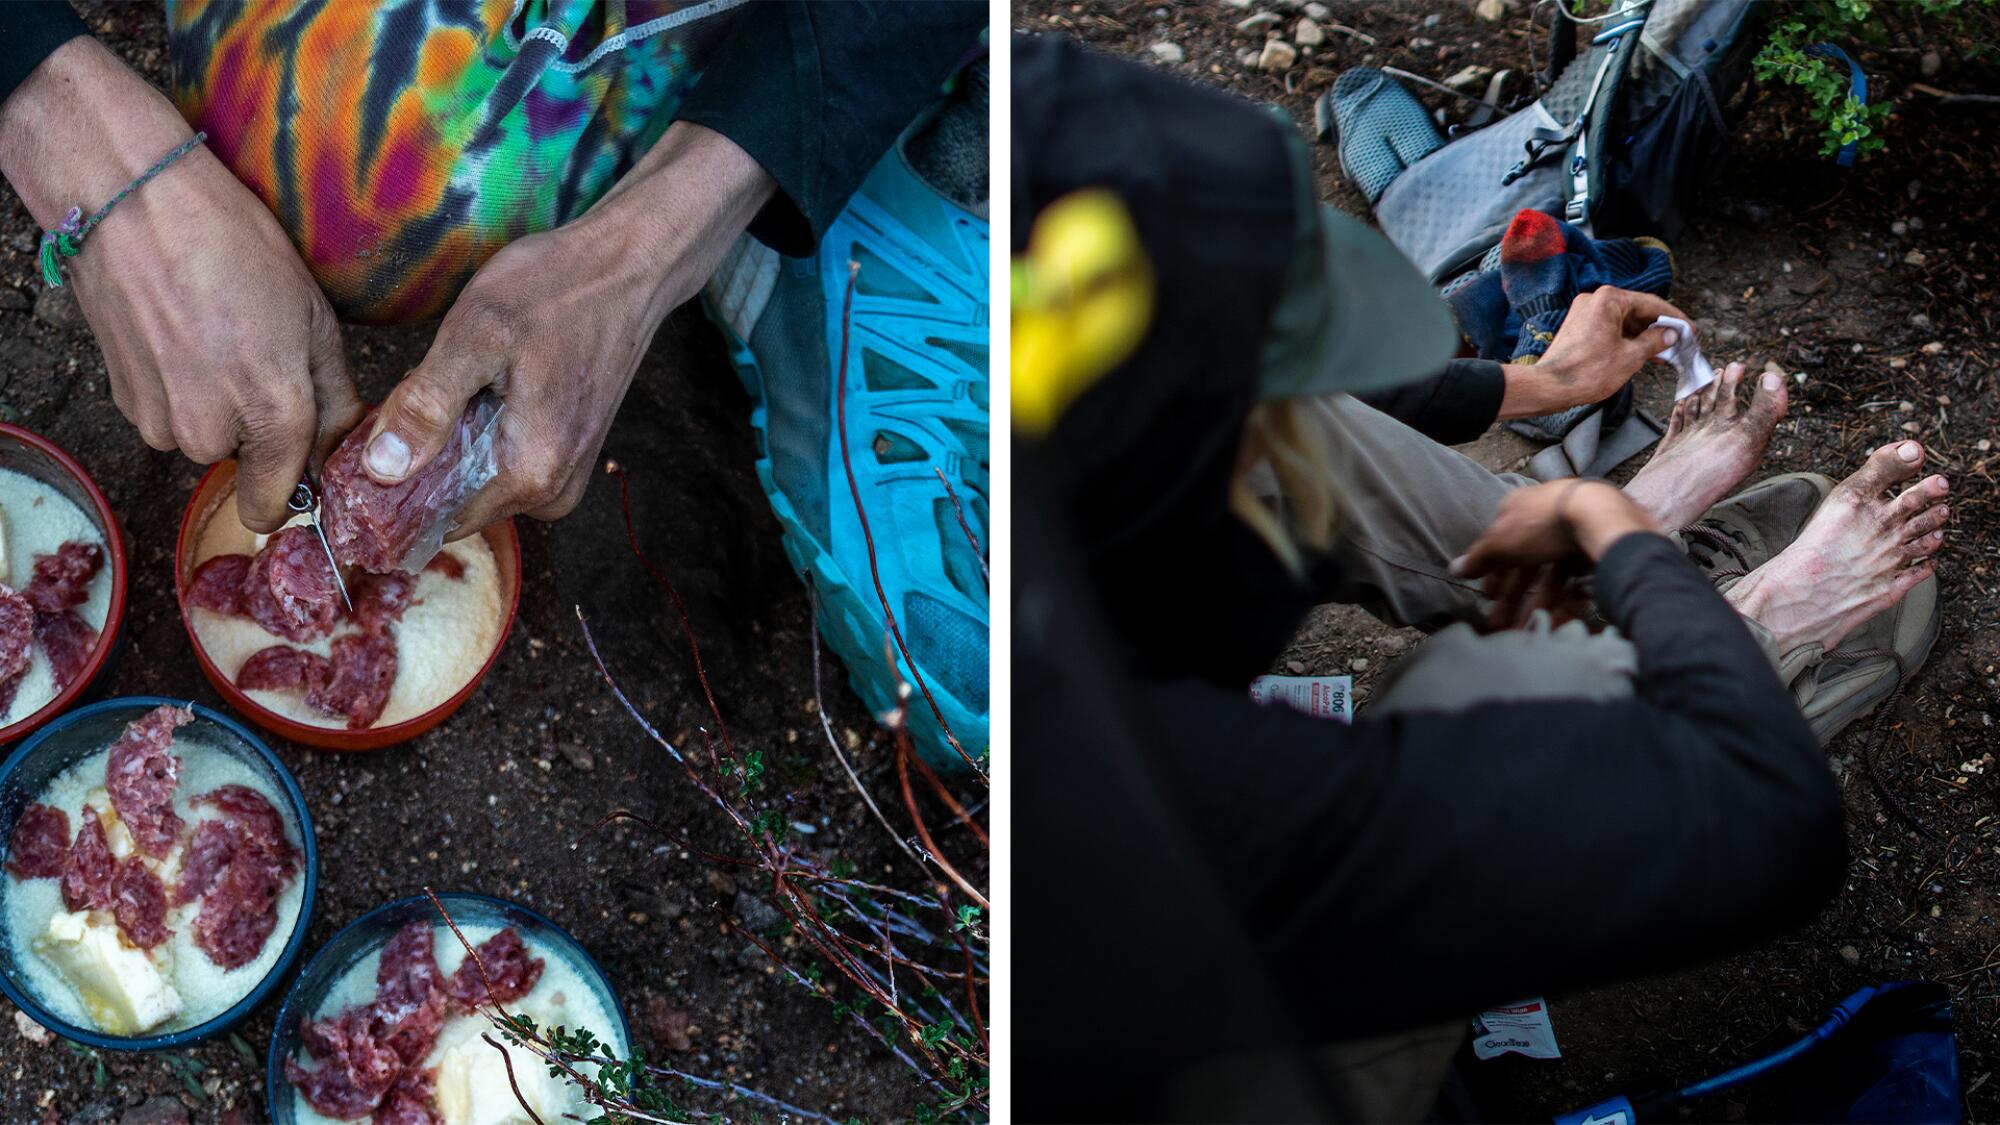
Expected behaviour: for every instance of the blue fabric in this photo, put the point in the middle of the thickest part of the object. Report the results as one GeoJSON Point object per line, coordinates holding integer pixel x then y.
{"type": "Point", "coordinates": [1512, 312]}
{"type": "Point", "coordinates": [1857, 88]}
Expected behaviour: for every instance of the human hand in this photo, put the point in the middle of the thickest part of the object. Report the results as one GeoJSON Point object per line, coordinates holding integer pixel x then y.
{"type": "Point", "coordinates": [1542, 538]}
{"type": "Point", "coordinates": [216, 338]}
{"type": "Point", "coordinates": [1606, 337]}
{"type": "Point", "coordinates": [556, 323]}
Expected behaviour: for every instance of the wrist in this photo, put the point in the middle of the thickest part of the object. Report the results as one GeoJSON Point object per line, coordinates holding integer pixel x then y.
{"type": "Point", "coordinates": [678, 211]}
{"type": "Point", "coordinates": [81, 127]}
{"type": "Point", "coordinates": [1598, 514]}
{"type": "Point", "coordinates": [1535, 389]}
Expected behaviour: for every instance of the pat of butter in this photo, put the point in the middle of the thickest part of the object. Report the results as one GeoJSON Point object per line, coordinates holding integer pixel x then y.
{"type": "Point", "coordinates": [121, 987]}
{"type": "Point", "coordinates": [472, 1087]}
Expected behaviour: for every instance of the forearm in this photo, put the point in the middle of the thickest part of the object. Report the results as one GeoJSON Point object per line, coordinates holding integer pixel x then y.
{"type": "Point", "coordinates": [678, 210]}
{"type": "Point", "coordinates": [1535, 389]}
{"type": "Point", "coordinates": [82, 126]}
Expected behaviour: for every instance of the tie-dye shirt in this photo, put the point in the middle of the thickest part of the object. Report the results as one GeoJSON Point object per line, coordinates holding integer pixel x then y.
{"type": "Point", "coordinates": [402, 144]}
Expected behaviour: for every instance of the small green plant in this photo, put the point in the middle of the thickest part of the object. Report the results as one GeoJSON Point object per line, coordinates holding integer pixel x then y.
{"type": "Point", "coordinates": [1797, 27]}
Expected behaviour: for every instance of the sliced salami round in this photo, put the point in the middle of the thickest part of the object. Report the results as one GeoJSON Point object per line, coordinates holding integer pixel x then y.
{"type": "Point", "coordinates": [142, 774]}
{"type": "Point", "coordinates": [17, 633]}
{"type": "Point", "coordinates": [68, 640]}
{"type": "Point", "coordinates": [62, 579]}
{"type": "Point", "coordinates": [40, 844]}
{"type": "Point", "coordinates": [139, 903]}
{"type": "Point", "coordinates": [89, 866]}
{"type": "Point", "coordinates": [510, 974]}
{"type": "Point", "coordinates": [218, 584]}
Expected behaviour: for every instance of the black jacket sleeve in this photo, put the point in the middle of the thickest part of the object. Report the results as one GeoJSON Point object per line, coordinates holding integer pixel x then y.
{"type": "Point", "coordinates": [1454, 406]}
{"type": "Point", "coordinates": [30, 31]}
{"type": "Point", "coordinates": [817, 92]}
{"type": "Point", "coordinates": [1510, 850]}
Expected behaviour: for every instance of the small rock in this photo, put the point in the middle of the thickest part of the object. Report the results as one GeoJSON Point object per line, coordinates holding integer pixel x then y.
{"type": "Point", "coordinates": [1468, 77]}
{"type": "Point", "coordinates": [1308, 34]}
{"type": "Point", "coordinates": [576, 755]}
{"type": "Point", "coordinates": [1916, 223]}
{"type": "Point", "coordinates": [1169, 53]}
{"type": "Point", "coordinates": [1295, 667]}
{"type": "Point", "coordinates": [1919, 320]}
{"type": "Point", "coordinates": [1358, 664]}
{"type": "Point", "coordinates": [1278, 56]}
{"type": "Point", "coordinates": [1913, 427]}
{"type": "Point", "coordinates": [1930, 64]}
{"type": "Point", "coordinates": [1905, 406]}
{"type": "Point", "coordinates": [1897, 363]}
{"type": "Point", "coordinates": [758, 916]}
{"type": "Point", "coordinates": [1262, 21]}
{"type": "Point", "coordinates": [1914, 258]}
{"type": "Point", "coordinates": [58, 307]}
{"type": "Point", "coordinates": [668, 1025]}
{"type": "Point", "coordinates": [1933, 348]}
{"type": "Point", "coordinates": [1850, 956]}
{"type": "Point", "coordinates": [1899, 227]}
{"type": "Point", "coordinates": [1432, 21]}
{"type": "Point", "coordinates": [1490, 10]}
{"type": "Point", "coordinates": [1319, 11]}
{"type": "Point", "coordinates": [1237, 4]}
{"type": "Point", "coordinates": [1914, 188]}
{"type": "Point", "coordinates": [31, 1031]}
{"type": "Point", "coordinates": [13, 300]}
{"type": "Point", "coordinates": [163, 1109]}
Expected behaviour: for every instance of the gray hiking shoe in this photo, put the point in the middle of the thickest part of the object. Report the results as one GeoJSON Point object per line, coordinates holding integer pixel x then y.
{"type": "Point", "coordinates": [1833, 689]}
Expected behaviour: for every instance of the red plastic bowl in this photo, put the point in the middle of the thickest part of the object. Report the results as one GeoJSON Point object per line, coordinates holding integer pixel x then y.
{"type": "Point", "coordinates": [216, 485]}
{"type": "Point", "coordinates": [33, 455]}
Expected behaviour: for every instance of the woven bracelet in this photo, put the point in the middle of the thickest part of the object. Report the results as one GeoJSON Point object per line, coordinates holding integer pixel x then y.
{"type": "Point", "coordinates": [67, 238]}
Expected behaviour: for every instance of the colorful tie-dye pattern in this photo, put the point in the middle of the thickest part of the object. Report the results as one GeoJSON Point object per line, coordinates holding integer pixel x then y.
{"type": "Point", "coordinates": [401, 144]}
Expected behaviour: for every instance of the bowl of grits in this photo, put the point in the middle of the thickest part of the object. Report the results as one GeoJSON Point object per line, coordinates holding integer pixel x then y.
{"type": "Point", "coordinates": [390, 1017]}
{"type": "Point", "coordinates": [62, 581]}
{"type": "Point", "coordinates": [408, 654]}
{"type": "Point", "coordinates": [159, 876]}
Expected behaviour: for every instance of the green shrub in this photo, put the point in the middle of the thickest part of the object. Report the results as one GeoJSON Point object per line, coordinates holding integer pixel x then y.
{"type": "Point", "coordinates": [1800, 24]}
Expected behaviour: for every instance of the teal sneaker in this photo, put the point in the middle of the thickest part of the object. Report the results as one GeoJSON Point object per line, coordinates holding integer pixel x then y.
{"type": "Point", "coordinates": [917, 403]}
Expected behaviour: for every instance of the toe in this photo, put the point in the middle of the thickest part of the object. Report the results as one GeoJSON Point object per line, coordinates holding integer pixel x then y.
{"type": "Point", "coordinates": [1907, 578]}
{"type": "Point", "coordinates": [1725, 389]}
{"type": "Point", "coordinates": [1926, 493]}
{"type": "Point", "coordinates": [1926, 521]}
{"type": "Point", "coordinates": [1767, 402]}
{"type": "Point", "coordinates": [1676, 422]}
{"type": "Point", "coordinates": [1924, 546]}
{"type": "Point", "coordinates": [1892, 464]}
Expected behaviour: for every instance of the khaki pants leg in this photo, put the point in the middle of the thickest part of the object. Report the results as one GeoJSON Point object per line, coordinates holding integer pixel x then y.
{"type": "Point", "coordinates": [1408, 507]}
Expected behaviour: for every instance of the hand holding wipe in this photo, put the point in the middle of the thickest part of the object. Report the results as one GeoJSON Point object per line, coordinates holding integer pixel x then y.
{"type": "Point", "coordinates": [1685, 354]}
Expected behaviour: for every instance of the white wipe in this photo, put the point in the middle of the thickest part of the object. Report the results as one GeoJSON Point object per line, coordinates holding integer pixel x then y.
{"type": "Point", "coordinates": [1322, 697]}
{"type": "Point", "coordinates": [1521, 1029]}
{"type": "Point", "coordinates": [1686, 357]}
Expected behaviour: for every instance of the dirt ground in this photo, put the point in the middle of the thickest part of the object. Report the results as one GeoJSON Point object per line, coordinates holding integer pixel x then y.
{"type": "Point", "coordinates": [493, 800]}
{"type": "Point", "coordinates": [1843, 276]}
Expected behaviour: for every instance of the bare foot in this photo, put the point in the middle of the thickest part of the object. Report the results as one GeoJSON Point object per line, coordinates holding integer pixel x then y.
{"type": "Point", "coordinates": [1861, 552]}
{"type": "Point", "coordinates": [1712, 444]}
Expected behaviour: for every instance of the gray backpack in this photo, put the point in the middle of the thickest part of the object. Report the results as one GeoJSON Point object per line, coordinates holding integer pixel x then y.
{"type": "Point", "coordinates": [1640, 106]}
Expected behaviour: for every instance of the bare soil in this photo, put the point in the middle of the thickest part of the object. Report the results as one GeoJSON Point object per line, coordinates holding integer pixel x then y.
{"type": "Point", "coordinates": [497, 799]}
{"type": "Point", "coordinates": [1843, 276]}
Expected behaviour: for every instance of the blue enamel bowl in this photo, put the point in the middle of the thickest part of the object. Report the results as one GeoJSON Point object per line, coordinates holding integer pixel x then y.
{"type": "Point", "coordinates": [371, 931]}
{"type": "Point", "coordinates": [88, 730]}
